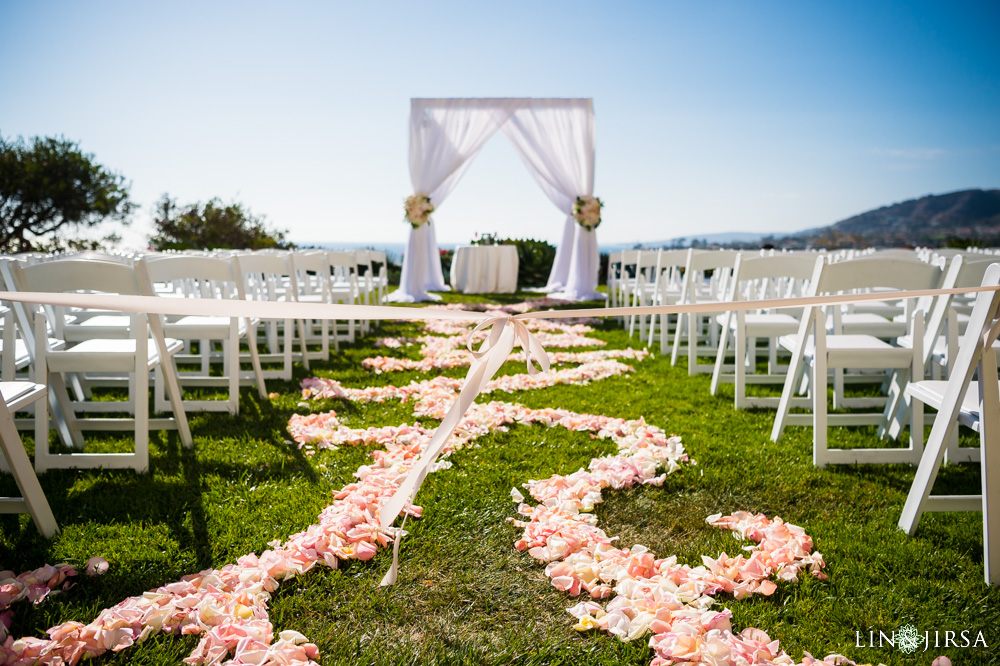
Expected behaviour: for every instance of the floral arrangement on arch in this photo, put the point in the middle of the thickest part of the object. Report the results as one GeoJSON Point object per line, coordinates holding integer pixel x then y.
{"type": "Point", "coordinates": [418, 210]}
{"type": "Point", "coordinates": [587, 211]}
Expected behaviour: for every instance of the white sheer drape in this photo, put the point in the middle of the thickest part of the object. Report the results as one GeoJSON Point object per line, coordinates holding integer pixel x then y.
{"type": "Point", "coordinates": [444, 137]}
{"type": "Point", "coordinates": [555, 139]}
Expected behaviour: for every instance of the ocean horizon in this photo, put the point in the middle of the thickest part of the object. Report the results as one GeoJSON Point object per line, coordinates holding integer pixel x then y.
{"type": "Point", "coordinates": [397, 249]}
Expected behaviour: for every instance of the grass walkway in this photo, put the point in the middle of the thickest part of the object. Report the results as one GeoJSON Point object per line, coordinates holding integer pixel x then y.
{"type": "Point", "coordinates": [465, 594]}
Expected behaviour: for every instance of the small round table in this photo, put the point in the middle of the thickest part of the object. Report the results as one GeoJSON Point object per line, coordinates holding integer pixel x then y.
{"type": "Point", "coordinates": [484, 269]}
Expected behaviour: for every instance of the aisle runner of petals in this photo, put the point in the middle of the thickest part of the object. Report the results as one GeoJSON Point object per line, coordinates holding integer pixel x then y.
{"type": "Point", "coordinates": [446, 349]}
{"type": "Point", "coordinates": [228, 606]}
{"type": "Point", "coordinates": [671, 600]}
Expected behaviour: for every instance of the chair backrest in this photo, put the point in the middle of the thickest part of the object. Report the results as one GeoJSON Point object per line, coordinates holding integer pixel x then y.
{"type": "Point", "coordinates": [343, 266]}
{"type": "Point", "coordinates": [614, 265]}
{"type": "Point", "coordinates": [773, 276]}
{"type": "Point", "coordinates": [312, 271]}
{"type": "Point", "coordinates": [670, 265]}
{"type": "Point", "coordinates": [720, 262]}
{"type": "Point", "coordinates": [629, 259]}
{"type": "Point", "coordinates": [875, 272]}
{"type": "Point", "coordinates": [68, 275]}
{"type": "Point", "coordinates": [673, 259]}
{"type": "Point", "coordinates": [713, 259]}
{"type": "Point", "coordinates": [974, 270]}
{"type": "Point", "coordinates": [646, 267]}
{"type": "Point", "coordinates": [982, 332]}
{"type": "Point", "coordinates": [262, 276]}
{"type": "Point", "coordinates": [202, 276]}
{"type": "Point", "coordinates": [894, 253]}
{"type": "Point", "coordinates": [77, 275]}
{"type": "Point", "coordinates": [363, 262]}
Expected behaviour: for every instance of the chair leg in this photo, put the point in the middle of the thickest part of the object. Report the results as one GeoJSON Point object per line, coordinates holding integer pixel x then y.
{"type": "Point", "coordinates": [302, 337]}
{"type": "Point", "coordinates": [682, 320]}
{"type": "Point", "coordinates": [989, 434]}
{"type": "Point", "coordinates": [289, 336]}
{"type": "Point", "coordinates": [255, 359]}
{"type": "Point", "coordinates": [720, 356]}
{"type": "Point", "coordinates": [838, 388]}
{"type": "Point", "coordinates": [173, 386]}
{"type": "Point", "coordinates": [740, 369]}
{"type": "Point", "coordinates": [819, 410]}
{"type": "Point", "coordinates": [27, 482]}
{"type": "Point", "coordinates": [325, 326]}
{"type": "Point", "coordinates": [232, 366]}
{"type": "Point", "coordinates": [694, 330]}
{"type": "Point", "coordinates": [69, 429]}
{"type": "Point", "coordinates": [140, 397]}
{"type": "Point", "coordinates": [795, 367]}
{"type": "Point", "coordinates": [664, 335]}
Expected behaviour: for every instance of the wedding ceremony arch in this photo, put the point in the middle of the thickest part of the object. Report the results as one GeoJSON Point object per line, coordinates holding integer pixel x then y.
{"type": "Point", "coordinates": [555, 140]}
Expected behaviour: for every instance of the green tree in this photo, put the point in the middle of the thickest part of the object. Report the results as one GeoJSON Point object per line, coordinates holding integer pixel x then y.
{"type": "Point", "coordinates": [211, 225]}
{"type": "Point", "coordinates": [47, 186]}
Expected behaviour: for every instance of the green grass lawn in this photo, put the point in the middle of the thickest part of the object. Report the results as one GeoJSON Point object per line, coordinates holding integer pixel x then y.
{"type": "Point", "coordinates": [465, 595]}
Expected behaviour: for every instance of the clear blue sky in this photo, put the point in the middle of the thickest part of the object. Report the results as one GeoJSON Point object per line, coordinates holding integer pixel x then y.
{"type": "Point", "coordinates": [711, 116]}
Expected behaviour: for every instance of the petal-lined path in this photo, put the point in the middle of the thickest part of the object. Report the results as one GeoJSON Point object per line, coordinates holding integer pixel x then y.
{"type": "Point", "coordinates": [228, 606]}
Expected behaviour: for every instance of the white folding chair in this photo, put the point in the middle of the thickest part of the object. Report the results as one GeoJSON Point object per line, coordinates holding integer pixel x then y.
{"type": "Point", "coordinates": [134, 357]}
{"type": "Point", "coordinates": [17, 395]}
{"type": "Point", "coordinates": [941, 339]}
{"type": "Point", "coordinates": [946, 347]}
{"type": "Point", "coordinates": [976, 405]}
{"type": "Point", "coordinates": [813, 349]}
{"type": "Point", "coordinates": [702, 338]}
{"type": "Point", "coordinates": [270, 276]}
{"type": "Point", "coordinates": [312, 273]}
{"type": "Point", "coordinates": [627, 271]}
{"type": "Point", "coordinates": [614, 278]}
{"type": "Point", "coordinates": [642, 287]}
{"type": "Point", "coordinates": [667, 291]}
{"type": "Point", "coordinates": [380, 276]}
{"type": "Point", "coordinates": [207, 278]}
{"type": "Point", "coordinates": [776, 276]}
{"type": "Point", "coordinates": [344, 287]}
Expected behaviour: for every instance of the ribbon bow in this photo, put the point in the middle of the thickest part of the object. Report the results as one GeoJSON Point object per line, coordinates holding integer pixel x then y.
{"type": "Point", "coordinates": [504, 333]}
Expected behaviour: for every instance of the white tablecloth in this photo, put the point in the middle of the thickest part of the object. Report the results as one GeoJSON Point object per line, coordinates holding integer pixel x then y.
{"type": "Point", "coordinates": [484, 269]}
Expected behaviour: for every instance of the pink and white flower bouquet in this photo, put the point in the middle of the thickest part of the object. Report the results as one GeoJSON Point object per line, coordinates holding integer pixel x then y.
{"type": "Point", "coordinates": [418, 210]}
{"type": "Point", "coordinates": [587, 211]}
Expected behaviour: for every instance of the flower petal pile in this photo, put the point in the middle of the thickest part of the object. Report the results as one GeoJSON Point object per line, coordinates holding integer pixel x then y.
{"type": "Point", "coordinates": [658, 595]}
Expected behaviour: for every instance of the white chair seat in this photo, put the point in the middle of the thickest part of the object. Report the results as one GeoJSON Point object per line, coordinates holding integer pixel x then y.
{"type": "Point", "coordinates": [869, 324]}
{"type": "Point", "coordinates": [98, 326]}
{"type": "Point", "coordinates": [192, 326]}
{"type": "Point", "coordinates": [931, 392]}
{"type": "Point", "coordinates": [767, 325]}
{"type": "Point", "coordinates": [858, 351]}
{"type": "Point", "coordinates": [101, 321]}
{"type": "Point", "coordinates": [111, 350]}
{"type": "Point", "coordinates": [13, 392]}
{"type": "Point", "coordinates": [880, 308]}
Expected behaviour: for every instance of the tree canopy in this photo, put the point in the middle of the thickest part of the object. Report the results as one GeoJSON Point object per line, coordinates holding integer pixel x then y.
{"type": "Point", "coordinates": [49, 184]}
{"type": "Point", "coordinates": [212, 225]}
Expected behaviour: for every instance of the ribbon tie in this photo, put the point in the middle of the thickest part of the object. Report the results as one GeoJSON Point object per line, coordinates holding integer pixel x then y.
{"type": "Point", "coordinates": [504, 333]}
{"type": "Point", "coordinates": [533, 349]}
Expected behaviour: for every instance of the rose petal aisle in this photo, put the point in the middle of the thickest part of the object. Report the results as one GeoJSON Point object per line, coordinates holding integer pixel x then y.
{"type": "Point", "coordinates": [628, 593]}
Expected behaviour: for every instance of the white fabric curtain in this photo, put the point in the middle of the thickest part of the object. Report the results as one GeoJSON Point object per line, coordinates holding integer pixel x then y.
{"type": "Point", "coordinates": [445, 134]}
{"type": "Point", "coordinates": [555, 139]}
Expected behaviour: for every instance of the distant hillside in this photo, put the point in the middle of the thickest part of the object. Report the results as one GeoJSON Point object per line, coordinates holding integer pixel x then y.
{"type": "Point", "coordinates": [958, 218]}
